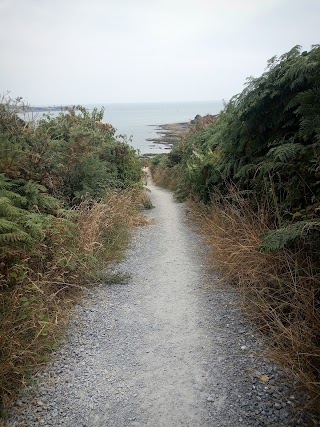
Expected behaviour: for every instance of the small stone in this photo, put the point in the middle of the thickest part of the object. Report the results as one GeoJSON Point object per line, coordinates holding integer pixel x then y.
{"type": "Point", "coordinates": [243, 347]}
{"type": "Point", "coordinates": [210, 399]}
{"type": "Point", "coordinates": [283, 414]}
{"type": "Point", "coordinates": [278, 405]}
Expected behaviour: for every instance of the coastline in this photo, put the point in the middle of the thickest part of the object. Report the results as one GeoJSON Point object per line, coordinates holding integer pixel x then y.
{"type": "Point", "coordinates": [169, 135]}
{"type": "Point", "coordinates": [152, 126]}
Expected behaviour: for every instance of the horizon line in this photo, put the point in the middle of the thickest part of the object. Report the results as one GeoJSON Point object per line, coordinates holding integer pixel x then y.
{"type": "Point", "coordinates": [123, 102]}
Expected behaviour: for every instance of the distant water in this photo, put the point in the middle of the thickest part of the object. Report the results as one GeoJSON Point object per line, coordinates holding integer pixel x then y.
{"type": "Point", "coordinates": [140, 120]}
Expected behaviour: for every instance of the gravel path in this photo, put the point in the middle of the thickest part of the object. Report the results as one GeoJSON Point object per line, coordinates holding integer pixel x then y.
{"type": "Point", "coordinates": [167, 348]}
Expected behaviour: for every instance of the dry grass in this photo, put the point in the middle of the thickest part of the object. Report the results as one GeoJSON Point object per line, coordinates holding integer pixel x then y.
{"type": "Point", "coordinates": [164, 177]}
{"type": "Point", "coordinates": [104, 226]}
{"type": "Point", "coordinates": [279, 290]}
{"type": "Point", "coordinates": [37, 296]}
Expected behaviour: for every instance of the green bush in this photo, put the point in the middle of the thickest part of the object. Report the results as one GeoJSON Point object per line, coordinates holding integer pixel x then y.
{"type": "Point", "coordinates": [266, 143]}
{"type": "Point", "coordinates": [74, 155]}
{"type": "Point", "coordinates": [62, 216]}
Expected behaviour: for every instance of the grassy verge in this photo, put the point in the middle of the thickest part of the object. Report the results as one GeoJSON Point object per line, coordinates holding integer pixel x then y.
{"type": "Point", "coordinates": [35, 304]}
{"type": "Point", "coordinates": [278, 290]}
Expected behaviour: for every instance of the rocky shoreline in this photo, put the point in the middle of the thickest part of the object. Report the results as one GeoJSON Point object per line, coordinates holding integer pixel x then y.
{"type": "Point", "coordinates": [170, 133]}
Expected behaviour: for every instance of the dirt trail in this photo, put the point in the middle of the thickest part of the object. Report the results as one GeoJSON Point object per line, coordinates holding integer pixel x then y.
{"type": "Point", "coordinates": [167, 348]}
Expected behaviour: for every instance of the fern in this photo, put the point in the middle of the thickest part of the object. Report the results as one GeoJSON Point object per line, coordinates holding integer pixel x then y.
{"type": "Point", "coordinates": [6, 190]}
{"type": "Point", "coordinates": [287, 152]}
{"type": "Point", "coordinates": [8, 209]}
{"type": "Point", "coordinates": [247, 170]}
{"type": "Point", "coordinates": [275, 240]}
{"type": "Point", "coordinates": [35, 196]}
{"type": "Point", "coordinates": [17, 222]}
{"type": "Point", "coordinates": [14, 237]}
{"type": "Point", "coordinates": [267, 141]}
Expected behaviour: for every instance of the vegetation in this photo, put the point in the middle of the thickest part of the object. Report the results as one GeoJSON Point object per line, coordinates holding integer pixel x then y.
{"type": "Point", "coordinates": [254, 176]}
{"type": "Point", "coordinates": [68, 193]}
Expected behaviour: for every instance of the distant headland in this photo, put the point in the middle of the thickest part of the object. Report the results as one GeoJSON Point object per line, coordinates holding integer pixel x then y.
{"type": "Point", "coordinates": [34, 109]}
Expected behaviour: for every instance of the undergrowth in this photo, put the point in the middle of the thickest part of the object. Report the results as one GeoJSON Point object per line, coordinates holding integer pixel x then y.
{"type": "Point", "coordinates": [278, 290]}
{"type": "Point", "coordinates": [69, 194]}
{"type": "Point", "coordinates": [35, 309]}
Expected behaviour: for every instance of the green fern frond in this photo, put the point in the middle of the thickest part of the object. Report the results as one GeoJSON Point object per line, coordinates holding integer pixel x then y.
{"type": "Point", "coordinates": [293, 103]}
{"type": "Point", "coordinates": [246, 170]}
{"type": "Point", "coordinates": [38, 224]}
{"type": "Point", "coordinates": [14, 237]}
{"type": "Point", "coordinates": [8, 190]}
{"type": "Point", "coordinates": [35, 196]}
{"type": "Point", "coordinates": [8, 210]}
{"type": "Point", "coordinates": [270, 166]}
{"type": "Point", "coordinates": [309, 96]}
{"type": "Point", "coordinates": [275, 240]}
{"type": "Point", "coordinates": [16, 198]}
{"type": "Point", "coordinates": [286, 152]}
{"type": "Point", "coordinates": [5, 183]}
{"type": "Point", "coordinates": [7, 226]}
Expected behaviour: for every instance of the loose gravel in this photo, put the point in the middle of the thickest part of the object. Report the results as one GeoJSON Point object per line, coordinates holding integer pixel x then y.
{"type": "Point", "coordinates": [167, 347]}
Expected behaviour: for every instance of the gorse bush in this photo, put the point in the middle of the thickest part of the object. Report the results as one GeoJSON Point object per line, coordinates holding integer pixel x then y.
{"type": "Point", "coordinates": [69, 190]}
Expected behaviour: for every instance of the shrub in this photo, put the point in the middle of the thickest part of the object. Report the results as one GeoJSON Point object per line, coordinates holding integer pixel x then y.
{"type": "Point", "coordinates": [69, 192]}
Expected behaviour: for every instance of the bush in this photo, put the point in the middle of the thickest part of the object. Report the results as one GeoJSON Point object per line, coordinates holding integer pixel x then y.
{"type": "Point", "coordinates": [69, 191]}
{"type": "Point", "coordinates": [266, 143]}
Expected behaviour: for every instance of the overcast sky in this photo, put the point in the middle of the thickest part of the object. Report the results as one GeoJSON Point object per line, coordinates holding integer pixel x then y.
{"type": "Point", "coordinates": [99, 51]}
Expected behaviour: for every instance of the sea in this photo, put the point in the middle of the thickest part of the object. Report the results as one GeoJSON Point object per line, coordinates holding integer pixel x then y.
{"type": "Point", "coordinates": [139, 121]}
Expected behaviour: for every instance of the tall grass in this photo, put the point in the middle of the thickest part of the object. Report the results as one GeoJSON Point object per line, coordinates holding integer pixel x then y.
{"type": "Point", "coordinates": [164, 177]}
{"type": "Point", "coordinates": [36, 306]}
{"type": "Point", "coordinates": [279, 290]}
